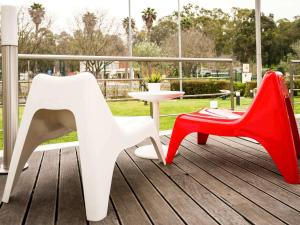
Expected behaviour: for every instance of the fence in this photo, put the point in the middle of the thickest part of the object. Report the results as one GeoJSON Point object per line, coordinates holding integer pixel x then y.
{"type": "Point", "coordinates": [292, 79]}
{"type": "Point", "coordinates": [119, 87]}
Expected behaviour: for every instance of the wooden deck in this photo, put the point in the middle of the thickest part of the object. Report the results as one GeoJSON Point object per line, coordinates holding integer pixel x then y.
{"type": "Point", "coordinates": [227, 181]}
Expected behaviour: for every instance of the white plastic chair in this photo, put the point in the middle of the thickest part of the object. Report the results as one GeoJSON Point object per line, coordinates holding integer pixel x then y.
{"type": "Point", "coordinates": [57, 105]}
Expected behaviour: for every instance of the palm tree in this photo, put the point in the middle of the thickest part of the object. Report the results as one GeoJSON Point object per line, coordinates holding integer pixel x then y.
{"type": "Point", "coordinates": [125, 24]}
{"type": "Point", "coordinates": [149, 15]}
{"type": "Point", "coordinates": [37, 13]}
{"type": "Point", "coordinates": [90, 20]}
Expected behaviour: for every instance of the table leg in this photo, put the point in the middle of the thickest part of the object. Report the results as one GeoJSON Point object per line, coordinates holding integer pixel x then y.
{"type": "Point", "coordinates": [155, 113]}
{"type": "Point", "coordinates": [148, 151]}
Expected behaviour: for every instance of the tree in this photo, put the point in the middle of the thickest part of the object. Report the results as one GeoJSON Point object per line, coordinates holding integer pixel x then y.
{"type": "Point", "coordinates": [125, 23]}
{"type": "Point", "coordinates": [165, 28]}
{"type": "Point", "coordinates": [244, 35]}
{"type": "Point", "coordinates": [194, 44]}
{"type": "Point", "coordinates": [296, 48]}
{"type": "Point", "coordinates": [149, 16]}
{"type": "Point", "coordinates": [37, 13]}
{"type": "Point", "coordinates": [94, 35]}
{"type": "Point", "coordinates": [213, 23]}
{"type": "Point", "coordinates": [147, 49]}
{"type": "Point", "coordinates": [90, 20]}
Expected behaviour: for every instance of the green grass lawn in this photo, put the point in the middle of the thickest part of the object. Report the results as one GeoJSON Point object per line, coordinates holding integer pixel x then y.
{"type": "Point", "coordinates": [137, 108]}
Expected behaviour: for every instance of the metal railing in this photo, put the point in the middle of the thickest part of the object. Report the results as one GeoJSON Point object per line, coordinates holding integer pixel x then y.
{"type": "Point", "coordinates": [292, 78]}
{"type": "Point", "coordinates": [141, 59]}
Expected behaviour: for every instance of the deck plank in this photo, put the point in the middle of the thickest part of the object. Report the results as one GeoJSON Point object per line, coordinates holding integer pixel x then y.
{"type": "Point", "coordinates": [228, 181]}
{"type": "Point", "coordinates": [242, 152]}
{"type": "Point", "coordinates": [110, 219]}
{"type": "Point", "coordinates": [43, 205]}
{"type": "Point", "coordinates": [188, 210]}
{"type": "Point", "coordinates": [129, 210]}
{"type": "Point", "coordinates": [248, 209]}
{"type": "Point", "coordinates": [267, 202]}
{"type": "Point", "coordinates": [224, 161]}
{"type": "Point", "coordinates": [155, 206]}
{"type": "Point", "coordinates": [232, 155]}
{"type": "Point", "coordinates": [71, 208]}
{"type": "Point", "coordinates": [14, 212]}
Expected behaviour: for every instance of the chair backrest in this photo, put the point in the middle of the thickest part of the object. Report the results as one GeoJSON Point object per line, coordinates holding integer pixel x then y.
{"type": "Point", "coordinates": [272, 105]}
{"type": "Point", "coordinates": [80, 92]}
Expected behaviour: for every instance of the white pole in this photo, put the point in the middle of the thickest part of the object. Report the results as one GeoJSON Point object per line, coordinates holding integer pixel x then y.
{"type": "Point", "coordinates": [9, 46]}
{"type": "Point", "coordinates": [258, 42]}
{"type": "Point", "coordinates": [179, 46]}
{"type": "Point", "coordinates": [130, 38]}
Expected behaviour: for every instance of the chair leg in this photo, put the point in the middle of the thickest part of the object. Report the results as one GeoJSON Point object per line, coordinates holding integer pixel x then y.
{"type": "Point", "coordinates": [178, 134]}
{"type": "Point", "coordinates": [24, 146]}
{"type": "Point", "coordinates": [158, 147]}
{"type": "Point", "coordinates": [18, 160]}
{"type": "Point", "coordinates": [32, 132]}
{"type": "Point", "coordinates": [201, 138]}
{"type": "Point", "coordinates": [96, 180]}
{"type": "Point", "coordinates": [285, 159]}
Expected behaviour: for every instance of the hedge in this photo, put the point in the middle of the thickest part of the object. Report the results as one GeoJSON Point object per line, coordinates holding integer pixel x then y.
{"type": "Point", "coordinates": [193, 87]}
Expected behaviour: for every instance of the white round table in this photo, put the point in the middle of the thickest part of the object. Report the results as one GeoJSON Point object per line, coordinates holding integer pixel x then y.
{"type": "Point", "coordinates": [148, 151]}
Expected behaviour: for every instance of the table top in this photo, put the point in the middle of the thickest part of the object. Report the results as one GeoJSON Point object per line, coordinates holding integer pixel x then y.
{"type": "Point", "coordinates": [156, 96]}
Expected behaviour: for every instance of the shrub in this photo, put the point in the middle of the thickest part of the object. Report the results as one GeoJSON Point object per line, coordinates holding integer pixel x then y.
{"type": "Point", "coordinates": [249, 86]}
{"type": "Point", "coordinates": [193, 87]}
{"type": "Point", "coordinates": [238, 86]}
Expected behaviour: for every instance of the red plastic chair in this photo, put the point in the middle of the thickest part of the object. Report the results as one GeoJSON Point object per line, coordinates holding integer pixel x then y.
{"type": "Point", "coordinates": [270, 120]}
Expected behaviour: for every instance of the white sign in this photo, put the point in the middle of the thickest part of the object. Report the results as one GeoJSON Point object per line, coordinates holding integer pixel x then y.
{"type": "Point", "coordinates": [246, 77]}
{"type": "Point", "coordinates": [246, 68]}
{"type": "Point", "coordinates": [82, 66]}
{"type": "Point", "coordinates": [213, 104]}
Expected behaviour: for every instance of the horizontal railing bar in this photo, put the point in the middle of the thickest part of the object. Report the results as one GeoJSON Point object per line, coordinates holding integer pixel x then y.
{"type": "Point", "coordinates": [295, 61]}
{"type": "Point", "coordinates": [141, 79]}
{"type": "Point", "coordinates": [120, 58]}
{"type": "Point", "coordinates": [206, 95]}
{"type": "Point", "coordinates": [134, 99]}
{"type": "Point", "coordinates": [167, 115]}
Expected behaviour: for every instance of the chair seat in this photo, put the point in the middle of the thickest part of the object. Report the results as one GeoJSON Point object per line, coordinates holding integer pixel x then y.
{"type": "Point", "coordinates": [131, 124]}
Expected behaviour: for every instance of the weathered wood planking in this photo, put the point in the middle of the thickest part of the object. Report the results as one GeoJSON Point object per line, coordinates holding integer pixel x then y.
{"type": "Point", "coordinates": [270, 204]}
{"type": "Point", "coordinates": [185, 206]}
{"type": "Point", "coordinates": [261, 169]}
{"type": "Point", "coordinates": [14, 213]}
{"type": "Point", "coordinates": [228, 181]}
{"type": "Point", "coordinates": [158, 210]}
{"type": "Point", "coordinates": [235, 165]}
{"type": "Point", "coordinates": [174, 194]}
{"type": "Point", "coordinates": [43, 205]}
{"type": "Point", "coordinates": [128, 208]}
{"type": "Point", "coordinates": [71, 208]}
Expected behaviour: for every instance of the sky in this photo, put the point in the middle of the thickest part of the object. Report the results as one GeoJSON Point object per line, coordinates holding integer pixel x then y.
{"type": "Point", "coordinates": [63, 12]}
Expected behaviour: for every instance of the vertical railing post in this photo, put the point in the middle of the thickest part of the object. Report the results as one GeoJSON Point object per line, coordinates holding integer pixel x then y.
{"type": "Point", "coordinates": [231, 86]}
{"type": "Point", "coordinates": [131, 72]}
{"type": "Point", "coordinates": [179, 48]}
{"type": "Point", "coordinates": [258, 42]}
{"type": "Point", "coordinates": [9, 45]}
{"type": "Point", "coordinates": [292, 82]}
